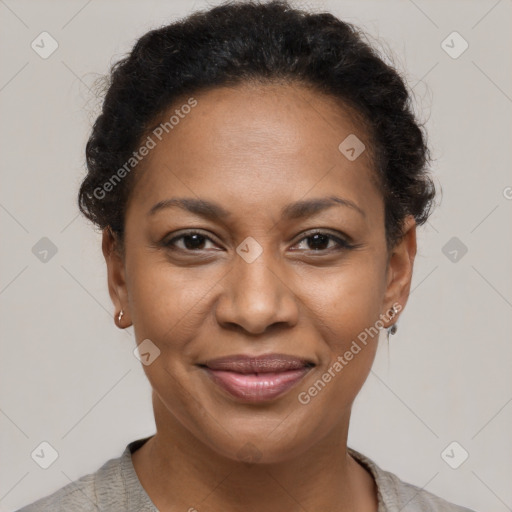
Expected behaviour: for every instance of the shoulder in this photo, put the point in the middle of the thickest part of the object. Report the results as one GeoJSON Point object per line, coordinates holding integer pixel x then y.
{"type": "Point", "coordinates": [101, 490]}
{"type": "Point", "coordinates": [395, 494]}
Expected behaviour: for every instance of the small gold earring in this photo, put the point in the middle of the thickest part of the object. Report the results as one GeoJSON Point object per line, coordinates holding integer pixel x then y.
{"type": "Point", "coordinates": [120, 316]}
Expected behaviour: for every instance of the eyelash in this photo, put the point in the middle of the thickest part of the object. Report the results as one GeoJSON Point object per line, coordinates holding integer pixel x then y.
{"type": "Point", "coordinates": [342, 244]}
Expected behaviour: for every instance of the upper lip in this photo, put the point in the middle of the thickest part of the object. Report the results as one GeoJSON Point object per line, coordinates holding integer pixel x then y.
{"type": "Point", "coordinates": [266, 363]}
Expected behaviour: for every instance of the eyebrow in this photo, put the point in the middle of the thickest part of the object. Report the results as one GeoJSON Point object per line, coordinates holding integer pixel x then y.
{"type": "Point", "coordinates": [214, 211]}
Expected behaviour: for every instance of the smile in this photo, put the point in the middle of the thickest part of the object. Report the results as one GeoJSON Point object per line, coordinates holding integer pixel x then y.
{"type": "Point", "coordinates": [257, 379]}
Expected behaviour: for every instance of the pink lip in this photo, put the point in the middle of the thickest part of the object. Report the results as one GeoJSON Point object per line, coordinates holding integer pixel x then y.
{"type": "Point", "coordinates": [257, 379]}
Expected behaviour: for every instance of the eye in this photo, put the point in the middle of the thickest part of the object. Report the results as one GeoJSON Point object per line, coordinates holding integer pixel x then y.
{"type": "Point", "coordinates": [319, 241]}
{"type": "Point", "coordinates": [192, 241]}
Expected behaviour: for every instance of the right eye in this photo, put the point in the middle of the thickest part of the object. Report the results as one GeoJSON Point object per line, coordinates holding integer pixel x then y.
{"type": "Point", "coordinates": [193, 241]}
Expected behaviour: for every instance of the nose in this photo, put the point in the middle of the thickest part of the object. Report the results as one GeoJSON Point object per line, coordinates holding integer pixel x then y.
{"type": "Point", "coordinates": [257, 297]}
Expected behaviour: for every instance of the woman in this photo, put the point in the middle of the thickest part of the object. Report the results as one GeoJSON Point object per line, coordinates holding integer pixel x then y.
{"type": "Point", "coordinates": [258, 175]}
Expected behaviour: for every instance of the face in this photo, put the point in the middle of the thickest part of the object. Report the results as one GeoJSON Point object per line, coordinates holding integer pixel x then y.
{"type": "Point", "coordinates": [274, 266]}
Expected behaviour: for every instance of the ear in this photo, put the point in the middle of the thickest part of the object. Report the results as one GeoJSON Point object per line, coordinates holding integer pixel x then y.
{"type": "Point", "coordinates": [116, 276]}
{"type": "Point", "coordinates": [400, 266]}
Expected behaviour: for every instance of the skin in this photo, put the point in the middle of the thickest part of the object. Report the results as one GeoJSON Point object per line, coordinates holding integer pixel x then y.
{"type": "Point", "coordinates": [254, 149]}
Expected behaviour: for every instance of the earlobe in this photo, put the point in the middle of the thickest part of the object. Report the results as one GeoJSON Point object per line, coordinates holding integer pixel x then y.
{"type": "Point", "coordinates": [116, 277]}
{"type": "Point", "coordinates": [400, 267]}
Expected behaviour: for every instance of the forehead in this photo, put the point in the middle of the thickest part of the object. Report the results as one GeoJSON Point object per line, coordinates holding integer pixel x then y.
{"type": "Point", "coordinates": [266, 144]}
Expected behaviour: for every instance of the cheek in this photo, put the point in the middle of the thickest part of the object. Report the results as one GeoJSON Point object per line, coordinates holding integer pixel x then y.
{"type": "Point", "coordinates": [165, 301]}
{"type": "Point", "coordinates": [349, 300]}
{"type": "Point", "coordinates": [347, 314]}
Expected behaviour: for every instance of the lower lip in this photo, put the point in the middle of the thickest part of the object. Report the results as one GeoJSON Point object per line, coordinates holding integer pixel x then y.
{"type": "Point", "coordinates": [257, 388]}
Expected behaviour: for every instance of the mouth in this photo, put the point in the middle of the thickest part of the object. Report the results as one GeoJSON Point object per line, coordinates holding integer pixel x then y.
{"type": "Point", "coordinates": [257, 379]}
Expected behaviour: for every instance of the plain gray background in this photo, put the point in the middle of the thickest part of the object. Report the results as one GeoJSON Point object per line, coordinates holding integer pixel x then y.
{"type": "Point", "coordinates": [68, 375]}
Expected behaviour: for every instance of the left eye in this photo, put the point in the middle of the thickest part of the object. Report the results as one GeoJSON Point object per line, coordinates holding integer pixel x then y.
{"type": "Point", "coordinates": [320, 239]}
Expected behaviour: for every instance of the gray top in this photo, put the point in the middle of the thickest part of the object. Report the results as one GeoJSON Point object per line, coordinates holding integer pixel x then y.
{"type": "Point", "coordinates": [116, 487]}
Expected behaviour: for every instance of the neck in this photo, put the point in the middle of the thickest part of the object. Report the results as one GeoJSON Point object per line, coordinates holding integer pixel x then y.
{"type": "Point", "coordinates": [179, 472]}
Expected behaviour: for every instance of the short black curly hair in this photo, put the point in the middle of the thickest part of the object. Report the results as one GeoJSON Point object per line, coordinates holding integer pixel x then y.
{"type": "Point", "coordinates": [250, 41]}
